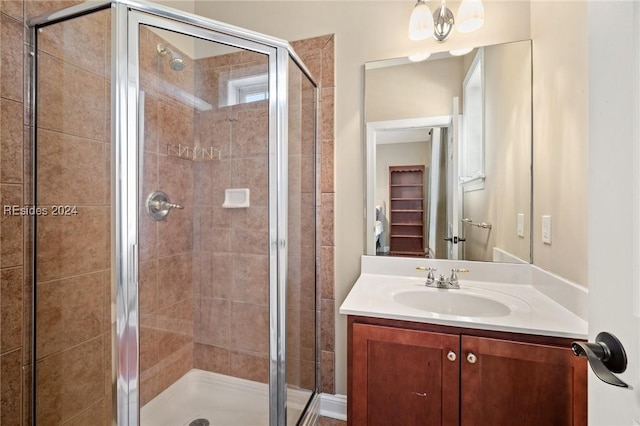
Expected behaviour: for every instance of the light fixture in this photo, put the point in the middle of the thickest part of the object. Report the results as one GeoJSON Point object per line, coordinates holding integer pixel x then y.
{"type": "Point", "coordinates": [423, 24]}
{"type": "Point", "coordinates": [470, 16]}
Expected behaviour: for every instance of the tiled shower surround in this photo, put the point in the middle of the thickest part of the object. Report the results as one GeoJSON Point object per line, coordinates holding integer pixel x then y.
{"type": "Point", "coordinates": [73, 324]}
{"type": "Point", "coordinates": [201, 301]}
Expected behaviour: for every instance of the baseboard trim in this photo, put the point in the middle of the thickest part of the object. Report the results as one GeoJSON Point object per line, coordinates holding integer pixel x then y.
{"type": "Point", "coordinates": [334, 406]}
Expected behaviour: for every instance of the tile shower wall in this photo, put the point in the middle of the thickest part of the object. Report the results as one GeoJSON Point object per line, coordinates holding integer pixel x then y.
{"type": "Point", "coordinates": [301, 262]}
{"type": "Point", "coordinates": [14, 351]}
{"type": "Point", "coordinates": [318, 55]}
{"type": "Point", "coordinates": [231, 318]}
{"type": "Point", "coordinates": [232, 285]}
{"type": "Point", "coordinates": [167, 253]}
{"type": "Point", "coordinates": [73, 333]}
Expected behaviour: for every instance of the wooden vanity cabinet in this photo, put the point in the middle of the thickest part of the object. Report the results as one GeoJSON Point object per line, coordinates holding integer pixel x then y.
{"type": "Point", "coordinates": [403, 373]}
{"type": "Point", "coordinates": [403, 377]}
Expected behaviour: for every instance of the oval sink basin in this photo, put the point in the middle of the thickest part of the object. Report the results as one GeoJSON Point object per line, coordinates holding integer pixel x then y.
{"type": "Point", "coordinates": [452, 302]}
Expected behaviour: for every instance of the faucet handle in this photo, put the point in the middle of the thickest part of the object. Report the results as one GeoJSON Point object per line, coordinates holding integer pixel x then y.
{"type": "Point", "coordinates": [424, 268]}
{"type": "Point", "coordinates": [454, 273]}
{"type": "Point", "coordinates": [430, 277]}
{"type": "Point", "coordinates": [429, 270]}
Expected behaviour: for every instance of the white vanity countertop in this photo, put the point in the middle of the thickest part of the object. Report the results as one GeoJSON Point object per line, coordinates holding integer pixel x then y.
{"type": "Point", "coordinates": [531, 311]}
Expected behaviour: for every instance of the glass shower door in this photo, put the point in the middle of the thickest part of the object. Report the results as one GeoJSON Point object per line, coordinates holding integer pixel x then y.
{"type": "Point", "coordinates": [205, 258]}
{"type": "Point", "coordinates": [301, 304]}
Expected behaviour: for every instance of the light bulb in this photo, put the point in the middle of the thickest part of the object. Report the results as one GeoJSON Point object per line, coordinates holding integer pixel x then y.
{"type": "Point", "coordinates": [470, 16]}
{"type": "Point", "coordinates": [460, 52]}
{"type": "Point", "coordinates": [421, 22]}
{"type": "Point", "coordinates": [419, 57]}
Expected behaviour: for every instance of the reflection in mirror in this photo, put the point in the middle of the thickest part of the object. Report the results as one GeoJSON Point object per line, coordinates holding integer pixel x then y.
{"type": "Point", "coordinates": [448, 144]}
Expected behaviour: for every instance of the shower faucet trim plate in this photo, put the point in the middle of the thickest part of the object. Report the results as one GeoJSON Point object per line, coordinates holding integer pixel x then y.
{"type": "Point", "coordinates": [158, 205]}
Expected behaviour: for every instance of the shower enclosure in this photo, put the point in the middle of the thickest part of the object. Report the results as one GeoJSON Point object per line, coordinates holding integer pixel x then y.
{"type": "Point", "coordinates": [174, 229]}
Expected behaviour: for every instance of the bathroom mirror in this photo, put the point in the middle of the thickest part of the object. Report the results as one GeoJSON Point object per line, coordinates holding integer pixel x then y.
{"type": "Point", "coordinates": [449, 149]}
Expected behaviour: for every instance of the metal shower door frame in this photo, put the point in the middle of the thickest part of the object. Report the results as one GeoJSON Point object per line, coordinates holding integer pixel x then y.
{"type": "Point", "coordinates": [127, 161]}
{"type": "Point", "coordinates": [126, 17]}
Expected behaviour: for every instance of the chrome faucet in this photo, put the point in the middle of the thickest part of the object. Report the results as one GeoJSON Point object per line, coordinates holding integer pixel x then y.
{"type": "Point", "coordinates": [442, 282]}
{"type": "Point", "coordinates": [430, 278]}
{"type": "Point", "coordinates": [453, 279]}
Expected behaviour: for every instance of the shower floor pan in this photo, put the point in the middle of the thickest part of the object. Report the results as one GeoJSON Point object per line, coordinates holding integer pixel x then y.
{"type": "Point", "coordinates": [220, 399]}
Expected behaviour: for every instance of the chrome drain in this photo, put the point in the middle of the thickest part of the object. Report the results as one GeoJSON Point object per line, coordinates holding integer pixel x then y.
{"type": "Point", "coordinates": [199, 422]}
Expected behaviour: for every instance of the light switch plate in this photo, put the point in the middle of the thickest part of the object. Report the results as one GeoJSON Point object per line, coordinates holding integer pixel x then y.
{"type": "Point", "coordinates": [546, 229]}
{"type": "Point", "coordinates": [521, 225]}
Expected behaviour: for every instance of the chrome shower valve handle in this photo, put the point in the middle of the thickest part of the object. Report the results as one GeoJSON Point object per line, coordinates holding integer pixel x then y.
{"type": "Point", "coordinates": [164, 205]}
{"type": "Point", "coordinates": [158, 205]}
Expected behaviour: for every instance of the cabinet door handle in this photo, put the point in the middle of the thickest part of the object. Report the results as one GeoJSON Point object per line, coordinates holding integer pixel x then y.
{"type": "Point", "coordinates": [451, 356]}
{"type": "Point", "coordinates": [471, 358]}
{"type": "Point", "coordinates": [420, 394]}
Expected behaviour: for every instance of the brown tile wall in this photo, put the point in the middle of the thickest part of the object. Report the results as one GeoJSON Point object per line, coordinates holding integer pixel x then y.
{"type": "Point", "coordinates": [73, 334]}
{"type": "Point", "coordinates": [301, 280]}
{"type": "Point", "coordinates": [168, 261]}
{"type": "Point", "coordinates": [232, 291]}
{"type": "Point", "coordinates": [318, 55]}
{"type": "Point", "coordinates": [14, 348]}
{"type": "Point", "coordinates": [231, 319]}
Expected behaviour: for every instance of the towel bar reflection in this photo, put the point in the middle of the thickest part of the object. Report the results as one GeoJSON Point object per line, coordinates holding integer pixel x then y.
{"type": "Point", "coordinates": [483, 225]}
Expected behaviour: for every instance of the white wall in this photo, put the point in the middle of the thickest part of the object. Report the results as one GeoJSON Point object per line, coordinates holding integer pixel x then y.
{"type": "Point", "coordinates": [423, 89]}
{"type": "Point", "coordinates": [364, 31]}
{"type": "Point", "coordinates": [560, 129]}
{"type": "Point", "coordinates": [507, 151]}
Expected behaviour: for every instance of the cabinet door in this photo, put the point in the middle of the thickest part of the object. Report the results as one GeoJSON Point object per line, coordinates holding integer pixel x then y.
{"type": "Point", "coordinates": [507, 383]}
{"type": "Point", "coordinates": [404, 377]}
